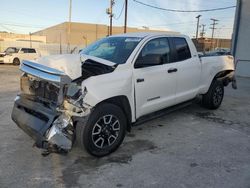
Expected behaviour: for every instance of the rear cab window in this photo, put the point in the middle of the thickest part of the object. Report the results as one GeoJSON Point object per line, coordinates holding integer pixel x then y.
{"type": "Point", "coordinates": [181, 48]}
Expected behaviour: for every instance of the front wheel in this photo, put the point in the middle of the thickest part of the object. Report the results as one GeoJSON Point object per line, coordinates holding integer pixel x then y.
{"type": "Point", "coordinates": [104, 130]}
{"type": "Point", "coordinates": [16, 61]}
{"type": "Point", "coordinates": [213, 98]}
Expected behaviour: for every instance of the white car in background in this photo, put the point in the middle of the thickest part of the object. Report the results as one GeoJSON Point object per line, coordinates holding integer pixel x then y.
{"type": "Point", "coordinates": [15, 55]}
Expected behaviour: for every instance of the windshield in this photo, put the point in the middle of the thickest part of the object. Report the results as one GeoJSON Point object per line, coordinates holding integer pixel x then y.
{"type": "Point", "coordinates": [11, 50]}
{"type": "Point", "coordinates": [115, 49]}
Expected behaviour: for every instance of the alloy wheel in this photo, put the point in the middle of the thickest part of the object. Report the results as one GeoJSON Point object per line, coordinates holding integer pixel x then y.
{"type": "Point", "coordinates": [105, 131]}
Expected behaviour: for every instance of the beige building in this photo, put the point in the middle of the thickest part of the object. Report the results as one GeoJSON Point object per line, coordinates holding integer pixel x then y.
{"type": "Point", "coordinates": [54, 40]}
{"type": "Point", "coordinates": [207, 44]}
{"type": "Point", "coordinates": [20, 40]}
{"type": "Point", "coordinates": [81, 34]}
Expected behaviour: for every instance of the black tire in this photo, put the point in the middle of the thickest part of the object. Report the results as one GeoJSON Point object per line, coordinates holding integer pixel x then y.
{"type": "Point", "coordinates": [103, 143]}
{"type": "Point", "coordinates": [213, 98]}
{"type": "Point", "coordinates": [16, 61]}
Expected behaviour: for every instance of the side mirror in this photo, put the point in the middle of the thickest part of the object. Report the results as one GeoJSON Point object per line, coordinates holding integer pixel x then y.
{"type": "Point", "coordinates": [148, 60]}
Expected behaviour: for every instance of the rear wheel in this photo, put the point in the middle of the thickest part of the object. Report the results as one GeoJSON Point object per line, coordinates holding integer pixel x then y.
{"type": "Point", "coordinates": [104, 130]}
{"type": "Point", "coordinates": [16, 61]}
{"type": "Point", "coordinates": [213, 98]}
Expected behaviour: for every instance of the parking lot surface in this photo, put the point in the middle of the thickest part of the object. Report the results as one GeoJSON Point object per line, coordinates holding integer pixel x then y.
{"type": "Point", "coordinates": [191, 147]}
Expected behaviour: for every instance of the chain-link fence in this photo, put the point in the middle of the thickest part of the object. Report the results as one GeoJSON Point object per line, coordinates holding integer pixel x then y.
{"type": "Point", "coordinates": [43, 48]}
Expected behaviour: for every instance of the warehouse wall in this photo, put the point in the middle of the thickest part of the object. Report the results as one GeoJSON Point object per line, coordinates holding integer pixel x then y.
{"type": "Point", "coordinates": [241, 38]}
{"type": "Point", "coordinates": [81, 33]}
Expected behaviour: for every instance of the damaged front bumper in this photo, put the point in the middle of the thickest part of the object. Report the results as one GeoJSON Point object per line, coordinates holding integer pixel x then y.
{"type": "Point", "coordinates": [33, 118]}
{"type": "Point", "coordinates": [44, 111]}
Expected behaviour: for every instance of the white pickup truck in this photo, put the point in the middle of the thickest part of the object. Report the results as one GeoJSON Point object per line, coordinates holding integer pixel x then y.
{"type": "Point", "coordinates": [96, 96]}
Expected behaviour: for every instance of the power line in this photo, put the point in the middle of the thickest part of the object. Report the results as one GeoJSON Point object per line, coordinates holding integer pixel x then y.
{"type": "Point", "coordinates": [22, 25]}
{"type": "Point", "coordinates": [176, 10]}
{"type": "Point", "coordinates": [170, 24]}
{"type": "Point", "coordinates": [117, 18]}
{"type": "Point", "coordinates": [10, 30]}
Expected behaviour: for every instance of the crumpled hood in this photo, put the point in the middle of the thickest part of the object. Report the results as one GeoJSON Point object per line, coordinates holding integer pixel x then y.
{"type": "Point", "coordinates": [70, 64]}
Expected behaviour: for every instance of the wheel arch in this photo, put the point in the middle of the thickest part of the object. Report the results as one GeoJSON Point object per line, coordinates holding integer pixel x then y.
{"type": "Point", "coordinates": [122, 102]}
{"type": "Point", "coordinates": [221, 75]}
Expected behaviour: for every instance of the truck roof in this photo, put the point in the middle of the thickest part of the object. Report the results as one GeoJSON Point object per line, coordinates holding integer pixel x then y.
{"type": "Point", "coordinates": [148, 34]}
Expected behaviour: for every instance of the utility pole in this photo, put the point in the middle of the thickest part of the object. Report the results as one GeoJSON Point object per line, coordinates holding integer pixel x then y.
{"type": "Point", "coordinates": [30, 40]}
{"type": "Point", "coordinates": [69, 24]}
{"type": "Point", "coordinates": [85, 40]}
{"type": "Point", "coordinates": [202, 34]}
{"type": "Point", "coordinates": [125, 19]}
{"type": "Point", "coordinates": [60, 47]}
{"type": "Point", "coordinates": [109, 11]}
{"type": "Point", "coordinates": [198, 22]}
{"type": "Point", "coordinates": [215, 22]}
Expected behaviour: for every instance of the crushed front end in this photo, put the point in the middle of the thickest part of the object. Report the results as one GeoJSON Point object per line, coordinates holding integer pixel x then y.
{"type": "Point", "coordinates": [46, 106]}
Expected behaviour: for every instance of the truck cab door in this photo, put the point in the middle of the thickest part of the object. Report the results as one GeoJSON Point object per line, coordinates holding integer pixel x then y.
{"type": "Point", "coordinates": [189, 69]}
{"type": "Point", "coordinates": [154, 77]}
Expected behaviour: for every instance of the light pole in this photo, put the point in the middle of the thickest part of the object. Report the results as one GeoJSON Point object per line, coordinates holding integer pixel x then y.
{"type": "Point", "coordinates": [69, 24]}
{"type": "Point", "coordinates": [213, 28]}
{"type": "Point", "coordinates": [197, 29]}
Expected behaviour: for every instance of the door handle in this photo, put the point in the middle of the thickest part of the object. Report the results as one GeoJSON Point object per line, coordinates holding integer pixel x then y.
{"type": "Point", "coordinates": [172, 70]}
{"type": "Point", "coordinates": [140, 80]}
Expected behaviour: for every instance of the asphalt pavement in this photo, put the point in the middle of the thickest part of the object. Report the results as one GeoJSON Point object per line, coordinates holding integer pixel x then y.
{"type": "Point", "coordinates": [191, 147]}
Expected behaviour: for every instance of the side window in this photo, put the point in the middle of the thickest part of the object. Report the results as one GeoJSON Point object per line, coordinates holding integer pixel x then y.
{"type": "Point", "coordinates": [155, 52]}
{"type": "Point", "coordinates": [182, 48]}
{"type": "Point", "coordinates": [24, 50]}
{"type": "Point", "coordinates": [31, 50]}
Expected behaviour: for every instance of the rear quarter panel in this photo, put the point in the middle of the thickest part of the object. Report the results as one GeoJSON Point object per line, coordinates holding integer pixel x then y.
{"type": "Point", "coordinates": [211, 66]}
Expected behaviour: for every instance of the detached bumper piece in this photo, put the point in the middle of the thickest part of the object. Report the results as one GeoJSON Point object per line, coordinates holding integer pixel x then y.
{"type": "Point", "coordinates": [50, 130]}
{"type": "Point", "coordinates": [227, 78]}
{"type": "Point", "coordinates": [33, 118]}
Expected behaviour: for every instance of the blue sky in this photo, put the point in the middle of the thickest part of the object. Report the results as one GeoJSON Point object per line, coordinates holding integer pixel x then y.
{"type": "Point", "coordinates": [24, 16]}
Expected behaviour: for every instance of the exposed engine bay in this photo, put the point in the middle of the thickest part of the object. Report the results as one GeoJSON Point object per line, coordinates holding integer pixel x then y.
{"type": "Point", "coordinates": [50, 101]}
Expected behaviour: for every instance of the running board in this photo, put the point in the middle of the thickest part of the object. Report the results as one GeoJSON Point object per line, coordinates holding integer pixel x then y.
{"type": "Point", "coordinates": [162, 112]}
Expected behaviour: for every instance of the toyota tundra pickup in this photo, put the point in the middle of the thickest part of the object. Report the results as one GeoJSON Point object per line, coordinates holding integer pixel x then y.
{"type": "Point", "coordinates": [97, 95]}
